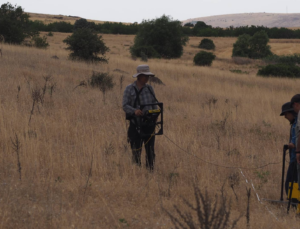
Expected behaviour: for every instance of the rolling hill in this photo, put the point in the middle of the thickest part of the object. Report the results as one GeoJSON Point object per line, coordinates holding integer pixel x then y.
{"type": "Point", "coordinates": [258, 19]}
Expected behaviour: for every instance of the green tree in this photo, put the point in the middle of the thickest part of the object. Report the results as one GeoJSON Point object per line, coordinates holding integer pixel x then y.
{"type": "Point", "coordinates": [242, 47]}
{"type": "Point", "coordinates": [14, 24]}
{"type": "Point", "coordinates": [258, 44]}
{"type": "Point", "coordinates": [255, 46]}
{"type": "Point", "coordinates": [161, 37]}
{"type": "Point", "coordinates": [86, 45]}
{"type": "Point", "coordinates": [189, 24]}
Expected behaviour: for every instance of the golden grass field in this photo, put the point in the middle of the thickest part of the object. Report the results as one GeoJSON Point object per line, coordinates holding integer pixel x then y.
{"type": "Point", "coordinates": [74, 132]}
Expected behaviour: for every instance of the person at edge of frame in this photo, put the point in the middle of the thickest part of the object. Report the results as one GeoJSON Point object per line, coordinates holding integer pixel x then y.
{"type": "Point", "coordinates": [288, 112]}
{"type": "Point", "coordinates": [295, 104]}
{"type": "Point", "coordinates": [136, 94]}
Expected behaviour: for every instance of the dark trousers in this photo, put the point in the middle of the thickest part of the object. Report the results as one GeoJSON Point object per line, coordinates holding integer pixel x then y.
{"type": "Point", "coordinates": [136, 143]}
{"type": "Point", "coordinates": [291, 175]}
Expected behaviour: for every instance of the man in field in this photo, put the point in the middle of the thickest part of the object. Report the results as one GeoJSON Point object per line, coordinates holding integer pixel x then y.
{"type": "Point", "coordinates": [136, 94]}
{"type": "Point", "coordinates": [295, 103]}
{"type": "Point", "coordinates": [288, 112]}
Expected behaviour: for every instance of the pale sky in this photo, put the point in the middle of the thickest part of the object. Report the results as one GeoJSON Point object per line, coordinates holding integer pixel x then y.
{"type": "Point", "coordinates": [137, 10]}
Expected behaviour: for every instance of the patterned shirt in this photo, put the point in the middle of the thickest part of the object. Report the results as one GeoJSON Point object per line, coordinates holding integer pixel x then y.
{"type": "Point", "coordinates": [129, 98]}
{"type": "Point", "coordinates": [293, 139]}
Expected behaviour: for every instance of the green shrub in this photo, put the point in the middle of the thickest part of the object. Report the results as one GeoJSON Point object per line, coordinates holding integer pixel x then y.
{"type": "Point", "coordinates": [288, 59]}
{"type": "Point", "coordinates": [50, 34]}
{"type": "Point", "coordinates": [40, 42]}
{"type": "Point", "coordinates": [161, 37]}
{"type": "Point", "coordinates": [280, 70]}
{"type": "Point", "coordinates": [85, 44]}
{"type": "Point", "coordinates": [207, 44]}
{"type": "Point", "coordinates": [204, 58]}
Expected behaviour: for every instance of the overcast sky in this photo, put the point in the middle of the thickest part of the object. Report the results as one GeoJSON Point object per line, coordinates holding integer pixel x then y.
{"type": "Point", "coordinates": [137, 10]}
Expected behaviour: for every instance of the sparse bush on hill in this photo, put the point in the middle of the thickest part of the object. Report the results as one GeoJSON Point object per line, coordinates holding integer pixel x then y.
{"type": "Point", "coordinates": [204, 58]}
{"type": "Point", "coordinates": [103, 81]}
{"type": "Point", "coordinates": [14, 24]}
{"type": "Point", "coordinates": [163, 37]}
{"type": "Point", "coordinates": [50, 34]}
{"type": "Point", "coordinates": [254, 47]}
{"type": "Point", "coordinates": [207, 44]}
{"type": "Point", "coordinates": [86, 45]}
{"type": "Point", "coordinates": [280, 70]}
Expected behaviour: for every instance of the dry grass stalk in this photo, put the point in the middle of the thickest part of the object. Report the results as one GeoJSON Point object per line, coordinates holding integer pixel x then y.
{"type": "Point", "coordinates": [16, 147]}
{"type": "Point", "coordinates": [248, 207]}
{"type": "Point", "coordinates": [36, 97]}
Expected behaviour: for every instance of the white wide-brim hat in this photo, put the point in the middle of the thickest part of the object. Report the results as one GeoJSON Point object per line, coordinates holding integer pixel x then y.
{"type": "Point", "coordinates": [143, 70]}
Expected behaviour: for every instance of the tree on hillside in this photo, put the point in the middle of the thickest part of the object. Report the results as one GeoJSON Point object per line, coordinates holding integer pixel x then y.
{"type": "Point", "coordinates": [255, 46]}
{"type": "Point", "coordinates": [14, 24]}
{"type": "Point", "coordinates": [85, 44]}
{"type": "Point", "coordinates": [161, 37]}
{"type": "Point", "coordinates": [189, 24]}
{"type": "Point", "coordinates": [83, 23]}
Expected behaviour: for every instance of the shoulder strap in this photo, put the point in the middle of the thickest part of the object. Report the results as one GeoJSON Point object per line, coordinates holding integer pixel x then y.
{"type": "Point", "coordinates": [152, 94]}
{"type": "Point", "coordinates": [137, 99]}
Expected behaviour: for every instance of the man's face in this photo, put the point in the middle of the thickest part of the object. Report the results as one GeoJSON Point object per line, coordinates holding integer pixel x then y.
{"type": "Point", "coordinates": [143, 79]}
{"type": "Point", "coordinates": [289, 116]}
{"type": "Point", "coordinates": [296, 107]}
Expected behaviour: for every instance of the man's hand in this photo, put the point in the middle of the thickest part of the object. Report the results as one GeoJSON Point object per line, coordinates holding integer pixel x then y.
{"type": "Point", "coordinates": [298, 158]}
{"type": "Point", "coordinates": [138, 112]}
{"type": "Point", "coordinates": [291, 146]}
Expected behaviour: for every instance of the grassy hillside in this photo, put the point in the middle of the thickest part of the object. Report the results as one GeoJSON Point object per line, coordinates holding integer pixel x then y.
{"type": "Point", "coordinates": [214, 114]}
{"type": "Point", "coordinates": [49, 18]}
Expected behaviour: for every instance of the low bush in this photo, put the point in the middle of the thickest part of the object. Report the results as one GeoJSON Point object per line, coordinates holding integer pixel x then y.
{"type": "Point", "coordinates": [288, 59]}
{"type": "Point", "coordinates": [204, 58]}
{"type": "Point", "coordinates": [280, 70]}
{"type": "Point", "coordinates": [40, 42]}
{"type": "Point", "coordinates": [50, 34]}
{"type": "Point", "coordinates": [207, 44]}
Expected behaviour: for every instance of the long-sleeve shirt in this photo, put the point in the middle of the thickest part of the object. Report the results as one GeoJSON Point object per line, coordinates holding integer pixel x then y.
{"type": "Point", "coordinates": [145, 96]}
{"type": "Point", "coordinates": [293, 139]}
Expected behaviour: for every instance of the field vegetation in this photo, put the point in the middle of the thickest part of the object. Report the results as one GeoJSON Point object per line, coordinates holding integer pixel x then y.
{"type": "Point", "coordinates": [66, 163]}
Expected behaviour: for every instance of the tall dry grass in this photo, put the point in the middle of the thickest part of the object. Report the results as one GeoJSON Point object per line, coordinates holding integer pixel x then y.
{"type": "Point", "coordinates": [218, 116]}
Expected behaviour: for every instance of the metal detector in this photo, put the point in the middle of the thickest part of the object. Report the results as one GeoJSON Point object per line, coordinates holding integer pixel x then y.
{"type": "Point", "coordinates": [151, 118]}
{"type": "Point", "coordinates": [285, 148]}
{"type": "Point", "coordinates": [281, 201]}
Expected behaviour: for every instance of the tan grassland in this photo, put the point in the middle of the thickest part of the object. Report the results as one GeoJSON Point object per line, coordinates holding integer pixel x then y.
{"type": "Point", "coordinates": [74, 127]}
